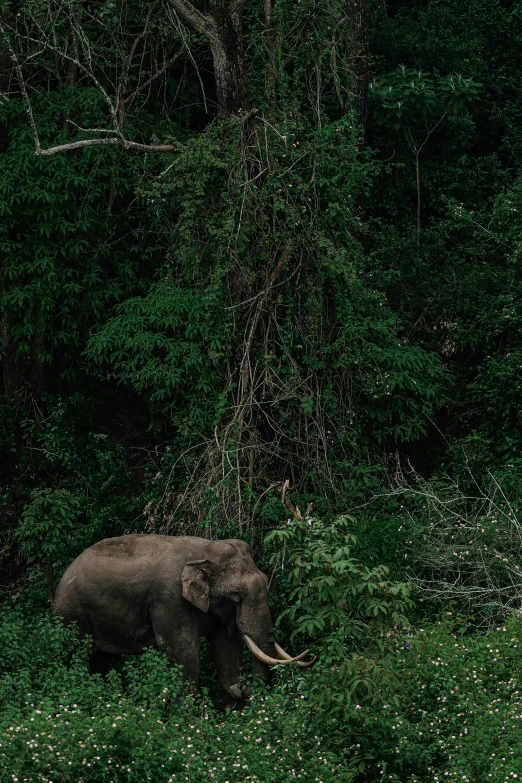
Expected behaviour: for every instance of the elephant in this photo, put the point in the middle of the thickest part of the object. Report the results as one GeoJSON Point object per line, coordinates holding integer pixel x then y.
{"type": "Point", "coordinates": [138, 590]}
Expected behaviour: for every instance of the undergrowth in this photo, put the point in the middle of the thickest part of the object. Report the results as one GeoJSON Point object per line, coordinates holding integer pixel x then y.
{"type": "Point", "coordinates": [453, 712]}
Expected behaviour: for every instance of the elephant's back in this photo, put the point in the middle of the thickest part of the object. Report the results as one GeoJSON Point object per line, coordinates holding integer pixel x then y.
{"type": "Point", "coordinates": [138, 545]}
{"type": "Point", "coordinates": [122, 568]}
{"type": "Point", "coordinates": [113, 559]}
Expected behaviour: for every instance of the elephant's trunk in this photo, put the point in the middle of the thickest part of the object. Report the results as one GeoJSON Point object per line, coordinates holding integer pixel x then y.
{"type": "Point", "coordinates": [255, 622]}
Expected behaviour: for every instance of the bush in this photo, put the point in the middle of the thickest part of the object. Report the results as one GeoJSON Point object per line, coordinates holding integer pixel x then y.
{"type": "Point", "coordinates": [453, 712]}
{"type": "Point", "coordinates": [47, 526]}
{"type": "Point", "coordinates": [341, 605]}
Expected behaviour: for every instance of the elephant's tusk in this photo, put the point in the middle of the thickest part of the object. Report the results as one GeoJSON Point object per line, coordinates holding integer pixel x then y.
{"type": "Point", "coordinates": [284, 655]}
{"type": "Point", "coordinates": [259, 654]}
{"type": "Point", "coordinates": [264, 658]}
{"type": "Point", "coordinates": [288, 658]}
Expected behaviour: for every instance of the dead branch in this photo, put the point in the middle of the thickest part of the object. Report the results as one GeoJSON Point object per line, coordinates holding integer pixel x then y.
{"type": "Point", "coordinates": [471, 549]}
{"type": "Point", "coordinates": [289, 506]}
{"type": "Point", "coordinates": [113, 142]}
{"type": "Point", "coordinates": [23, 90]}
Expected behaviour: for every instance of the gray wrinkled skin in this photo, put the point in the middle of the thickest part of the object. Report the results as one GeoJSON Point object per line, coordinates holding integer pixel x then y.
{"type": "Point", "coordinates": [136, 591]}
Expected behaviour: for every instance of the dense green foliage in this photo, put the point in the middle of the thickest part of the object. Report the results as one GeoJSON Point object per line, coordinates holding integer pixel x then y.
{"type": "Point", "coordinates": [453, 710]}
{"type": "Point", "coordinates": [321, 286]}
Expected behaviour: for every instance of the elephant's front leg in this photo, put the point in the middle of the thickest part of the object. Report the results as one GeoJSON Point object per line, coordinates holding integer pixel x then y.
{"type": "Point", "coordinates": [228, 656]}
{"type": "Point", "coordinates": [180, 643]}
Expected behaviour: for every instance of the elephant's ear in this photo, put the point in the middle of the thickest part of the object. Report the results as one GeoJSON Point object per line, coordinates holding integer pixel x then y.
{"type": "Point", "coordinates": [196, 583]}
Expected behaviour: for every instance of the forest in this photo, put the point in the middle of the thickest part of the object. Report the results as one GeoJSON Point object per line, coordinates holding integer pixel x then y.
{"type": "Point", "coordinates": [258, 281]}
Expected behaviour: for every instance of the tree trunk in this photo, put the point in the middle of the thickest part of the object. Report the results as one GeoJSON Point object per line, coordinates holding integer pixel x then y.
{"type": "Point", "coordinates": [227, 53]}
{"type": "Point", "coordinates": [222, 28]}
{"type": "Point", "coordinates": [7, 348]}
{"type": "Point", "coordinates": [358, 53]}
{"type": "Point", "coordinates": [271, 43]}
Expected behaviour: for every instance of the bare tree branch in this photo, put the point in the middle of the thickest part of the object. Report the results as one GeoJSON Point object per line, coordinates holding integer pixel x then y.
{"type": "Point", "coordinates": [122, 84]}
{"type": "Point", "coordinates": [89, 130]}
{"type": "Point", "coordinates": [23, 90]}
{"type": "Point", "coordinates": [176, 21]}
{"type": "Point", "coordinates": [471, 549]}
{"type": "Point", "coordinates": [88, 72]}
{"type": "Point", "coordinates": [113, 142]}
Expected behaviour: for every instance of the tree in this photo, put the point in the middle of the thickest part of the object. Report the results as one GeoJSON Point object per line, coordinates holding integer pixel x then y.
{"type": "Point", "coordinates": [417, 103]}
{"type": "Point", "coordinates": [359, 59]}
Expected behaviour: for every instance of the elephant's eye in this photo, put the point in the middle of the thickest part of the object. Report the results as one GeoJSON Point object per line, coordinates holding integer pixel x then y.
{"type": "Point", "coordinates": [236, 597]}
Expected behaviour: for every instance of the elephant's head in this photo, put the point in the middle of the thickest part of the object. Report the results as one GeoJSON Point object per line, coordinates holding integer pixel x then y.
{"type": "Point", "coordinates": [230, 586]}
